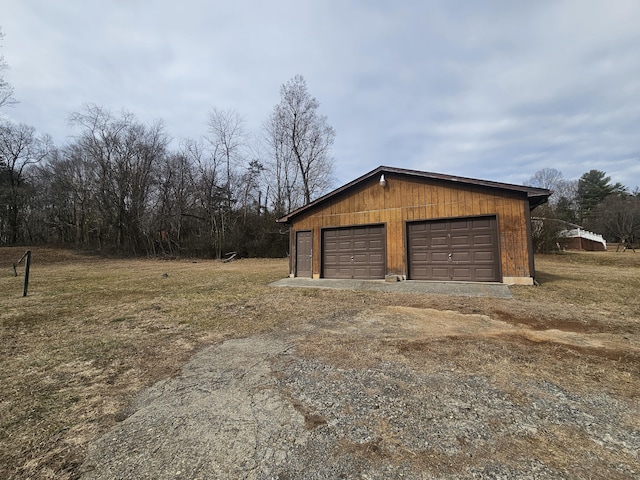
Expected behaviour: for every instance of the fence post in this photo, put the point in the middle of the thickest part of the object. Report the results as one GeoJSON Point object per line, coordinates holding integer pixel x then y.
{"type": "Point", "coordinates": [27, 265]}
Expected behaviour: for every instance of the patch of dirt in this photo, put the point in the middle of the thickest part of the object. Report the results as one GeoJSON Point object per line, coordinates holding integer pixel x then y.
{"type": "Point", "coordinates": [395, 392]}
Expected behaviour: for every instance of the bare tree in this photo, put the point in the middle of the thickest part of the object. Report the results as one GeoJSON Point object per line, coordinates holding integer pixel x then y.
{"type": "Point", "coordinates": [565, 189]}
{"type": "Point", "coordinates": [546, 178]}
{"type": "Point", "coordinates": [617, 217]}
{"type": "Point", "coordinates": [20, 149]}
{"type": "Point", "coordinates": [6, 90]}
{"type": "Point", "coordinates": [228, 140]}
{"type": "Point", "coordinates": [553, 180]}
{"type": "Point", "coordinates": [210, 193]}
{"type": "Point", "coordinates": [563, 201]}
{"type": "Point", "coordinates": [302, 134]}
{"type": "Point", "coordinates": [126, 154]}
{"type": "Point", "coordinates": [71, 175]}
{"type": "Point", "coordinates": [286, 194]}
{"type": "Point", "coordinates": [175, 201]}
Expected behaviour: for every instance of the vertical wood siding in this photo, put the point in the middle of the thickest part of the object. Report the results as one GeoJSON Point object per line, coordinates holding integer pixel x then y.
{"type": "Point", "coordinates": [410, 199]}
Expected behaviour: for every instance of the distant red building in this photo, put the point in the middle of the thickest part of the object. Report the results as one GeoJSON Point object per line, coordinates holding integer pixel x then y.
{"type": "Point", "coordinates": [579, 239]}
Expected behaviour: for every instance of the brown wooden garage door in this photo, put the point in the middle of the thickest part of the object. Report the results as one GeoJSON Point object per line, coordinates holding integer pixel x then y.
{"type": "Point", "coordinates": [354, 252]}
{"type": "Point", "coordinates": [462, 249]}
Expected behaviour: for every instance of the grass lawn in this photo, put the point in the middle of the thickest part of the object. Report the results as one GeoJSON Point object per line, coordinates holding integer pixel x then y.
{"type": "Point", "coordinates": [93, 332]}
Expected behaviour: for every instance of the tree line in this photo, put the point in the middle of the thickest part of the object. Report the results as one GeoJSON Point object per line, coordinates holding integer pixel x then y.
{"type": "Point", "coordinates": [592, 202]}
{"type": "Point", "coordinates": [119, 186]}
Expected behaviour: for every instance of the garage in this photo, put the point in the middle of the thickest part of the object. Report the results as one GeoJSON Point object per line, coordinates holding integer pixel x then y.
{"type": "Point", "coordinates": [412, 225]}
{"type": "Point", "coordinates": [460, 249]}
{"type": "Point", "coordinates": [354, 252]}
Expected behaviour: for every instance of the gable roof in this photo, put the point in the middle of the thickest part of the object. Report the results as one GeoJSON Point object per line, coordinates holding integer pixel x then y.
{"type": "Point", "coordinates": [536, 196]}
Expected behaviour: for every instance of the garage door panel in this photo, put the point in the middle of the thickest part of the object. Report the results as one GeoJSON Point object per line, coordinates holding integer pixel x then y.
{"type": "Point", "coordinates": [438, 241]}
{"type": "Point", "coordinates": [438, 273]}
{"type": "Point", "coordinates": [330, 271]}
{"type": "Point", "coordinates": [463, 257]}
{"type": "Point", "coordinates": [419, 242]}
{"type": "Point", "coordinates": [459, 225]}
{"type": "Point", "coordinates": [480, 223]}
{"type": "Point", "coordinates": [484, 239]}
{"type": "Point", "coordinates": [485, 273]}
{"type": "Point", "coordinates": [457, 240]}
{"type": "Point", "coordinates": [419, 257]}
{"type": "Point", "coordinates": [377, 258]}
{"type": "Point", "coordinates": [422, 271]}
{"type": "Point", "coordinates": [454, 249]}
{"type": "Point", "coordinates": [462, 273]}
{"type": "Point", "coordinates": [359, 272]}
{"type": "Point", "coordinates": [376, 272]}
{"type": "Point", "coordinates": [439, 257]}
{"type": "Point", "coordinates": [331, 259]}
{"type": "Point", "coordinates": [484, 257]}
{"type": "Point", "coordinates": [338, 272]}
{"type": "Point", "coordinates": [360, 252]}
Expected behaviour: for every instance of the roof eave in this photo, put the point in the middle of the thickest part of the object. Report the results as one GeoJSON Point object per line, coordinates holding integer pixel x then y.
{"type": "Point", "coordinates": [536, 196]}
{"type": "Point", "coordinates": [287, 217]}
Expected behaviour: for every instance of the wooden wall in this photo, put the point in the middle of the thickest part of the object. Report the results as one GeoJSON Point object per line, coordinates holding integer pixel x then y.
{"type": "Point", "coordinates": [407, 199]}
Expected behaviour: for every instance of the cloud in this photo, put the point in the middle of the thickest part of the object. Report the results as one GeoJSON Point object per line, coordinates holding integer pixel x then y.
{"type": "Point", "coordinates": [493, 90]}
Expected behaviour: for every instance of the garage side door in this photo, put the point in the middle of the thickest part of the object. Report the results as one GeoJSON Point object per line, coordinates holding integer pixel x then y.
{"type": "Point", "coordinates": [304, 245]}
{"type": "Point", "coordinates": [462, 249]}
{"type": "Point", "coordinates": [354, 252]}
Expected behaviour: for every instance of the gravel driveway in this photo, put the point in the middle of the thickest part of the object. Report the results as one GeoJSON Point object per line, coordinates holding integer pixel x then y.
{"type": "Point", "coordinates": [384, 394]}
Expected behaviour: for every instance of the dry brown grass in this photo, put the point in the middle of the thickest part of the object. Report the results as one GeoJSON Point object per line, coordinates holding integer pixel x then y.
{"type": "Point", "coordinates": [95, 331]}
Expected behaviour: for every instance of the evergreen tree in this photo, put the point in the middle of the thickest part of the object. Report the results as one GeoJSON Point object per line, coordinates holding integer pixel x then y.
{"type": "Point", "coordinates": [593, 187]}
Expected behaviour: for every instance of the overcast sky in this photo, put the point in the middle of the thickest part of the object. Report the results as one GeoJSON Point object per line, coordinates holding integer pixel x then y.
{"type": "Point", "coordinates": [494, 90]}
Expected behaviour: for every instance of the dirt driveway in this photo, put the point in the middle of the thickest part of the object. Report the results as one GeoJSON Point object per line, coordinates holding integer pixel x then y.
{"type": "Point", "coordinates": [395, 392]}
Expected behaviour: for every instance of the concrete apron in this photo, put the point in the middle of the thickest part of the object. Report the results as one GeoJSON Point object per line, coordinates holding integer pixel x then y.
{"type": "Point", "coordinates": [460, 289]}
